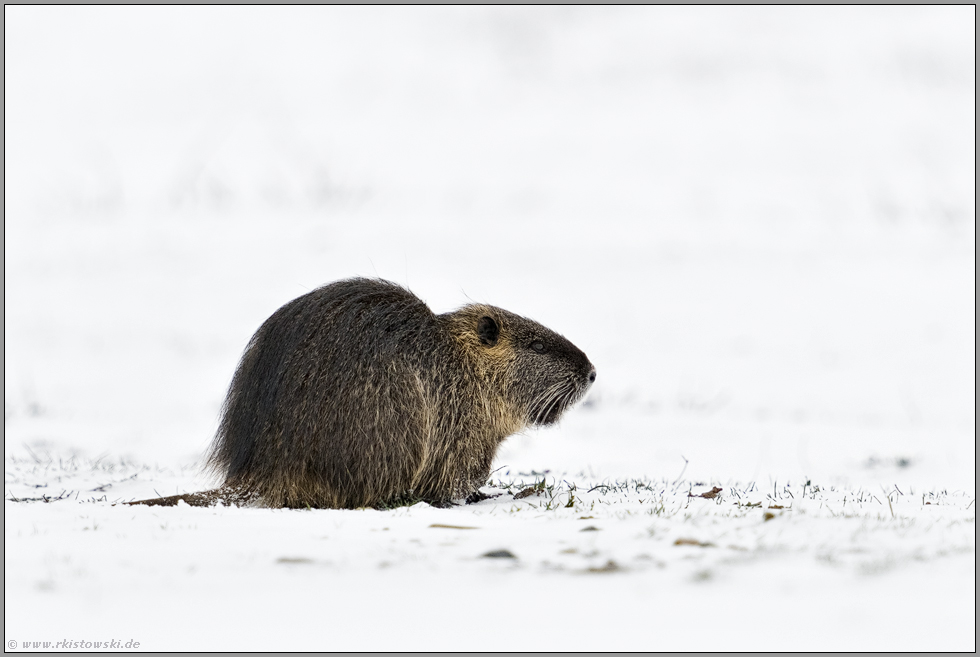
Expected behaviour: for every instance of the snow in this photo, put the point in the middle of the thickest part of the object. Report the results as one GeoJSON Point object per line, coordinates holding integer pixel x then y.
{"type": "Point", "coordinates": [759, 223]}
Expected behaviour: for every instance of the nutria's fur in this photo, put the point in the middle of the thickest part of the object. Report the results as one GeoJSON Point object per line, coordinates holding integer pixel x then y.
{"type": "Point", "coordinates": [357, 394]}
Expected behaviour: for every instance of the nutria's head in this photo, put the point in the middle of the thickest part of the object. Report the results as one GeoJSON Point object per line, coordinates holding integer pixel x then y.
{"type": "Point", "coordinates": [538, 373]}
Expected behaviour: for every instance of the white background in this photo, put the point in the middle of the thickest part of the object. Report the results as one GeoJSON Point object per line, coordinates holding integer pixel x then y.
{"type": "Point", "coordinates": [759, 224]}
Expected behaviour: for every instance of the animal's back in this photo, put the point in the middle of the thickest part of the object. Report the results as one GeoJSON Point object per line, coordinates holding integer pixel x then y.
{"type": "Point", "coordinates": [327, 407]}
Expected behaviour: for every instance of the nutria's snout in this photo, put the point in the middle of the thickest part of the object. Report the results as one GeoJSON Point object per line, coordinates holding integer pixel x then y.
{"type": "Point", "coordinates": [587, 381]}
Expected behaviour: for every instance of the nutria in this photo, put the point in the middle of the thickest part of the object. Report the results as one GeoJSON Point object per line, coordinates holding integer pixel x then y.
{"type": "Point", "coordinates": [357, 394]}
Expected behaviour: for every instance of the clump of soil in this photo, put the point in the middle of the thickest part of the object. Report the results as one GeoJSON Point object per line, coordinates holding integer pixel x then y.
{"type": "Point", "coordinates": [528, 491]}
{"type": "Point", "coordinates": [499, 554]}
{"type": "Point", "coordinates": [610, 567]}
{"type": "Point", "coordinates": [708, 495]}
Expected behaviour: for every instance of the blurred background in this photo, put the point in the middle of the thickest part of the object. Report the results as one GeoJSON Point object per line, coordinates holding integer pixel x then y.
{"type": "Point", "coordinates": [758, 222]}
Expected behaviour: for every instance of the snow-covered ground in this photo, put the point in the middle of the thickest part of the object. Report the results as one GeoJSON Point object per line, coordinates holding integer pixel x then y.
{"type": "Point", "coordinates": [759, 223]}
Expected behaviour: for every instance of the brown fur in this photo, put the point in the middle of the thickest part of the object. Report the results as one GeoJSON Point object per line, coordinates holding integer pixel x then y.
{"type": "Point", "coordinates": [356, 394]}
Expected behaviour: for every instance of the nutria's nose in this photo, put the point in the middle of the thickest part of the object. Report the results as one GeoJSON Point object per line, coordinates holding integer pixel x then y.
{"type": "Point", "coordinates": [592, 376]}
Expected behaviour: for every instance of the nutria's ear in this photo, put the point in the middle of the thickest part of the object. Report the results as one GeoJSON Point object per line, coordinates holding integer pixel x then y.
{"type": "Point", "coordinates": [488, 331]}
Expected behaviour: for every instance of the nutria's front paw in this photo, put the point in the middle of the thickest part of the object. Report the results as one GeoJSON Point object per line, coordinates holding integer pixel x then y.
{"type": "Point", "coordinates": [478, 496]}
{"type": "Point", "coordinates": [441, 504]}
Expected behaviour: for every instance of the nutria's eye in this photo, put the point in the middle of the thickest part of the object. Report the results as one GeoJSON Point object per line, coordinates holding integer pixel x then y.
{"type": "Point", "coordinates": [538, 347]}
